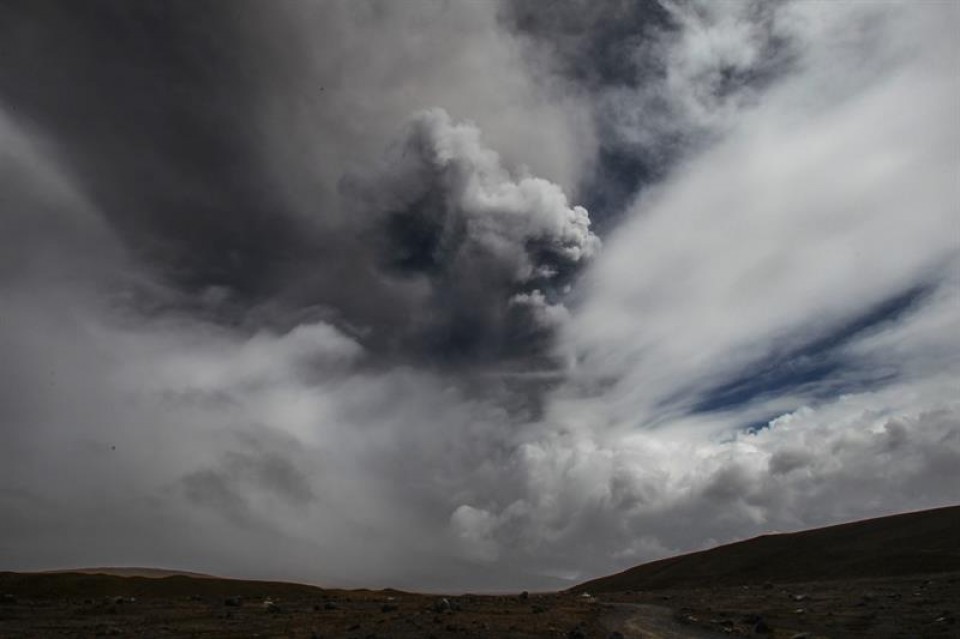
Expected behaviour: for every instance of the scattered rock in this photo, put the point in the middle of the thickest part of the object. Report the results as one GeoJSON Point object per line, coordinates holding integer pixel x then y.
{"type": "Point", "coordinates": [946, 618]}
{"type": "Point", "coordinates": [271, 606]}
{"type": "Point", "coordinates": [761, 628]}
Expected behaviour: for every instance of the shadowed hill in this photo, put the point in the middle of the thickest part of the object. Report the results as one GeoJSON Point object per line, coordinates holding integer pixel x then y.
{"type": "Point", "coordinates": [899, 545]}
{"type": "Point", "coordinates": [75, 584]}
{"type": "Point", "coordinates": [130, 571]}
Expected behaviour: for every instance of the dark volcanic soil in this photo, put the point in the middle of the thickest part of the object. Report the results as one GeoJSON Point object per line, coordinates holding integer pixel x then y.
{"type": "Point", "coordinates": [904, 607]}
{"type": "Point", "coordinates": [224, 608]}
{"type": "Point", "coordinates": [907, 607]}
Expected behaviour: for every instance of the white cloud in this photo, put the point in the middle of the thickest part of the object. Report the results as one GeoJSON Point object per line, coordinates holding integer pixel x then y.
{"type": "Point", "coordinates": [800, 218]}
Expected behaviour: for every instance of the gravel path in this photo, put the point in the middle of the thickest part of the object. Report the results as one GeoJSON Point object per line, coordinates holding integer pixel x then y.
{"type": "Point", "coordinates": [647, 621]}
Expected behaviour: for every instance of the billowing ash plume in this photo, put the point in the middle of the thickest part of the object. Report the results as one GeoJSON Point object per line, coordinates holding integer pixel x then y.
{"type": "Point", "coordinates": [488, 253]}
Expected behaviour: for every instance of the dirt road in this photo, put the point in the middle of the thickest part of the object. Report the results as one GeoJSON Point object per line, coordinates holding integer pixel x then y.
{"type": "Point", "coordinates": [647, 621]}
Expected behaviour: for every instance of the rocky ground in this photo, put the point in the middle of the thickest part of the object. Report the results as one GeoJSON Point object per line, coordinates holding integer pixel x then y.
{"type": "Point", "coordinates": [907, 607]}
{"type": "Point", "coordinates": [328, 614]}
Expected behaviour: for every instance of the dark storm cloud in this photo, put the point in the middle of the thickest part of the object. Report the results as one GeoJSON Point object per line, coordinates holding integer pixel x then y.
{"type": "Point", "coordinates": [148, 103]}
{"type": "Point", "coordinates": [51, 230]}
{"type": "Point", "coordinates": [157, 107]}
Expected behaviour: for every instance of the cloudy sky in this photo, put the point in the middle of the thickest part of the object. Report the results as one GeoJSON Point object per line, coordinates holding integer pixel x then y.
{"type": "Point", "coordinates": [470, 295]}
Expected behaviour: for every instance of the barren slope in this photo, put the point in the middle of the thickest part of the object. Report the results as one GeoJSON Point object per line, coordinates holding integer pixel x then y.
{"type": "Point", "coordinates": [918, 543]}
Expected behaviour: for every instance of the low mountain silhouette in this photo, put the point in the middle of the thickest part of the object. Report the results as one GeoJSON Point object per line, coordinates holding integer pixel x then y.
{"type": "Point", "coordinates": [918, 543]}
{"type": "Point", "coordinates": [97, 584]}
{"type": "Point", "coordinates": [130, 571]}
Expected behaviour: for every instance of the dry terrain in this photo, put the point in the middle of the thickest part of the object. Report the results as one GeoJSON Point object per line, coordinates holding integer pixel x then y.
{"type": "Point", "coordinates": [83, 605]}
{"type": "Point", "coordinates": [903, 607]}
{"type": "Point", "coordinates": [893, 577]}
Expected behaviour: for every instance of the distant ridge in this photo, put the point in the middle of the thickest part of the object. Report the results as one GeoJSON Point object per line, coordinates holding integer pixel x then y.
{"type": "Point", "coordinates": [72, 583]}
{"type": "Point", "coordinates": [914, 543]}
{"type": "Point", "coordinates": [130, 571]}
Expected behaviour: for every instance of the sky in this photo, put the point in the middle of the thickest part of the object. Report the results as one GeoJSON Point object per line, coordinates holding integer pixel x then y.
{"type": "Point", "coordinates": [471, 296]}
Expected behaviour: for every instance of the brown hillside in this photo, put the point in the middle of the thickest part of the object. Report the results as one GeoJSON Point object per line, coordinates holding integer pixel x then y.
{"type": "Point", "coordinates": [72, 584]}
{"type": "Point", "coordinates": [130, 571]}
{"type": "Point", "coordinates": [909, 544]}
{"type": "Point", "coordinates": [71, 605]}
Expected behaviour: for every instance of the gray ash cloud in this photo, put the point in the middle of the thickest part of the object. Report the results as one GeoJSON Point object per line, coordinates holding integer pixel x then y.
{"type": "Point", "coordinates": [487, 254]}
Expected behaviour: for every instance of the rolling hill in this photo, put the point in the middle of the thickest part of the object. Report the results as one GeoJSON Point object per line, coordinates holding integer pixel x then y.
{"type": "Point", "coordinates": [130, 571]}
{"type": "Point", "coordinates": [83, 584]}
{"type": "Point", "coordinates": [917, 543]}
